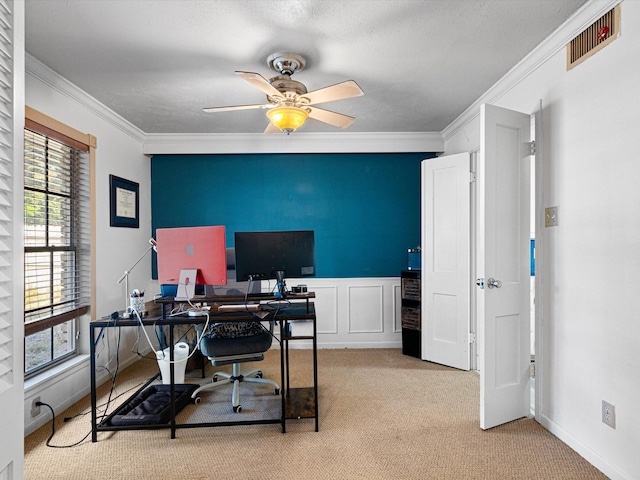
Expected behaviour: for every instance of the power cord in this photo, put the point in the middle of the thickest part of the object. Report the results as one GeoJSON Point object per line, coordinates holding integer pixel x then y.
{"type": "Point", "coordinates": [66, 419]}
{"type": "Point", "coordinates": [53, 429]}
{"type": "Point", "coordinates": [82, 414]}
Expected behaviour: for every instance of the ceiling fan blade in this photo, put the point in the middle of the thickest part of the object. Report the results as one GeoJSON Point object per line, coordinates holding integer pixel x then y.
{"type": "Point", "coordinates": [271, 128]}
{"type": "Point", "coordinates": [332, 118]}
{"type": "Point", "coordinates": [338, 91]}
{"type": "Point", "coordinates": [260, 82]}
{"type": "Point", "coordinates": [231, 108]}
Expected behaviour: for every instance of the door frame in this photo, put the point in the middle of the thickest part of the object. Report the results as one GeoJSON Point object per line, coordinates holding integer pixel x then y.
{"type": "Point", "coordinates": [538, 212]}
{"type": "Point", "coordinates": [473, 268]}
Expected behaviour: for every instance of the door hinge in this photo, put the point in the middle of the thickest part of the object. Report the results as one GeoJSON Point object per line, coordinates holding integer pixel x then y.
{"type": "Point", "coordinates": [472, 177]}
{"type": "Point", "coordinates": [472, 338]}
{"type": "Point", "coordinates": [532, 147]}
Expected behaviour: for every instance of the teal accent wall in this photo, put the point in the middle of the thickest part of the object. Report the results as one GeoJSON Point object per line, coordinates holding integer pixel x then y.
{"type": "Point", "coordinates": [364, 208]}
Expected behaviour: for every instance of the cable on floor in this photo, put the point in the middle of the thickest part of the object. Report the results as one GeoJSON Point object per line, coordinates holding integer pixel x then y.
{"type": "Point", "coordinates": [53, 429]}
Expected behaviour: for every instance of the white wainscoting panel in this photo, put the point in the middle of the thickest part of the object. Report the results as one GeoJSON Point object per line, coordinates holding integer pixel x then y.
{"type": "Point", "coordinates": [397, 308]}
{"type": "Point", "coordinates": [327, 318]}
{"type": "Point", "coordinates": [355, 312]}
{"type": "Point", "coordinates": [365, 309]}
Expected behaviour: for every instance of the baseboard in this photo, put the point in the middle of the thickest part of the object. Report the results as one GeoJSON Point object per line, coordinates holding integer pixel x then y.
{"type": "Point", "coordinates": [354, 345]}
{"type": "Point", "coordinates": [593, 457]}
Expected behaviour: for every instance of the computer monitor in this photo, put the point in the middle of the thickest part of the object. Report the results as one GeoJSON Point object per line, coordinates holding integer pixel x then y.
{"type": "Point", "coordinates": [275, 255]}
{"type": "Point", "coordinates": [192, 248]}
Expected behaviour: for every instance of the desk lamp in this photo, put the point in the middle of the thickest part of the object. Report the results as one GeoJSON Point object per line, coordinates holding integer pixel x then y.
{"type": "Point", "coordinates": [125, 276]}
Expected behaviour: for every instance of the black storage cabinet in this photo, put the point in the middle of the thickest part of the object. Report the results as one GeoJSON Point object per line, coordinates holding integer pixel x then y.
{"type": "Point", "coordinates": [411, 313]}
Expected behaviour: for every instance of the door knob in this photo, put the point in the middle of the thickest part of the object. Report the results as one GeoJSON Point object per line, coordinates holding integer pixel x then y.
{"type": "Point", "coordinates": [493, 283]}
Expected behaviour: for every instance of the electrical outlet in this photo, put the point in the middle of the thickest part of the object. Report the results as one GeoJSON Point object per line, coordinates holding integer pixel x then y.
{"type": "Point", "coordinates": [551, 217]}
{"type": "Point", "coordinates": [35, 409]}
{"type": "Point", "coordinates": [609, 414]}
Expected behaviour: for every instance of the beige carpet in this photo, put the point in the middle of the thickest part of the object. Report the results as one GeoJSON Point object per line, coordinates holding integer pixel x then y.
{"type": "Point", "coordinates": [383, 415]}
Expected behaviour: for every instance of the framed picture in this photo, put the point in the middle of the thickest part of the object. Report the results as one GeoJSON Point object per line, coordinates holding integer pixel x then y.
{"type": "Point", "coordinates": [124, 202]}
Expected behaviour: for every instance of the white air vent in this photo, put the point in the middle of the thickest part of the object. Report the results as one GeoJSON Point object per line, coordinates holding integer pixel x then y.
{"type": "Point", "coordinates": [593, 39]}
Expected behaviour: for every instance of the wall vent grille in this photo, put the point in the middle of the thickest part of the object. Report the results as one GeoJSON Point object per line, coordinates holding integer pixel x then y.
{"type": "Point", "coordinates": [594, 38]}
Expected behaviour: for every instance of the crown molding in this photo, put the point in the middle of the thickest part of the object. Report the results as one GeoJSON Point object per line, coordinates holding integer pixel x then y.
{"type": "Point", "coordinates": [558, 40]}
{"type": "Point", "coordinates": [343, 142]}
{"type": "Point", "coordinates": [54, 80]}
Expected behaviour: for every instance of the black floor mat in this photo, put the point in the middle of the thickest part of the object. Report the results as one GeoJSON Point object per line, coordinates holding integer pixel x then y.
{"type": "Point", "coordinates": [152, 406]}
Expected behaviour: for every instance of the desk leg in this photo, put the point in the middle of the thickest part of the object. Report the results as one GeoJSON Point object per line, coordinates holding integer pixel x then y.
{"type": "Point", "coordinates": [315, 370]}
{"type": "Point", "coordinates": [172, 389]}
{"type": "Point", "coordinates": [286, 352]}
{"type": "Point", "coordinates": [283, 390]}
{"type": "Point", "coordinates": [94, 417]}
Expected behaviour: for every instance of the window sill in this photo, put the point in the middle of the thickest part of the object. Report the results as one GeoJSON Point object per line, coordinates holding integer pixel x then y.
{"type": "Point", "coordinates": [53, 374]}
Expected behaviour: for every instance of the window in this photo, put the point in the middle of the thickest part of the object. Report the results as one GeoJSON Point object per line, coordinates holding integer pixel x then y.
{"type": "Point", "coordinates": [57, 247]}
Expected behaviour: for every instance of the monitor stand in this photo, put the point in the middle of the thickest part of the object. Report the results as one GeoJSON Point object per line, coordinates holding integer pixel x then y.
{"type": "Point", "coordinates": [281, 286]}
{"type": "Point", "coordinates": [187, 285]}
{"type": "Point", "coordinates": [206, 290]}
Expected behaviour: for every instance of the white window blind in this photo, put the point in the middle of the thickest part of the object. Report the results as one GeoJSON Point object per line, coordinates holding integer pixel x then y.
{"type": "Point", "coordinates": [56, 230]}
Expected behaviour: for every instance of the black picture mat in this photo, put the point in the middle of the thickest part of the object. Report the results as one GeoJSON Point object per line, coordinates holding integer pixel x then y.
{"type": "Point", "coordinates": [117, 184]}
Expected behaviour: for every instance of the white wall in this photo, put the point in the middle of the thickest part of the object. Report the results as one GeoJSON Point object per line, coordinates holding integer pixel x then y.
{"type": "Point", "coordinates": [590, 282]}
{"type": "Point", "coordinates": [119, 152]}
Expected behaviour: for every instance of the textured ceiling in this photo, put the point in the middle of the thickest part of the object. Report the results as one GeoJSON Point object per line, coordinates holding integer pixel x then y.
{"type": "Point", "coordinates": [157, 63]}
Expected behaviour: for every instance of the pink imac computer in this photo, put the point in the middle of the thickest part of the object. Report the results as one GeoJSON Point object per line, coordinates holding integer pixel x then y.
{"type": "Point", "coordinates": [187, 251]}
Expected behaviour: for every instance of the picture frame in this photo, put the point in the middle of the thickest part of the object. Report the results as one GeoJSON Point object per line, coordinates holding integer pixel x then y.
{"type": "Point", "coordinates": [124, 201]}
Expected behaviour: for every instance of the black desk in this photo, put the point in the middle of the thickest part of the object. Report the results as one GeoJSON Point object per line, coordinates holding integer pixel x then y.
{"type": "Point", "coordinates": [296, 402]}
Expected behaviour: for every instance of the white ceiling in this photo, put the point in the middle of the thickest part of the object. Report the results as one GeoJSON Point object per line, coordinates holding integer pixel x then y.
{"type": "Point", "coordinates": [157, 63]}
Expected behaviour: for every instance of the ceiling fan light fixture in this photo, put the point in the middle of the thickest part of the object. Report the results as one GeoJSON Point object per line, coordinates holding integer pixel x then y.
{"type": "Point", "coordinates": [287, 119]}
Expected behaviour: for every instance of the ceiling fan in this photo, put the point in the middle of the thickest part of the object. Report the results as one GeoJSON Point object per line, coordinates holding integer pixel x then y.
{"type": "Point", "coordinates": [289, 104]}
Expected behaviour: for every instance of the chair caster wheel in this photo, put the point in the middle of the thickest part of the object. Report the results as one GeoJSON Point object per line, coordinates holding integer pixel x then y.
{"type": "Point", "coordinates": [277, 392]}
{"type": "Point", "coordinates": [196, 400]}
{"type": "Point", "coordinates": [215, 378]}
{"type": "Point", "coordinates": [237, 409]}
{"type": "Point", "coordinates": [259, 374]}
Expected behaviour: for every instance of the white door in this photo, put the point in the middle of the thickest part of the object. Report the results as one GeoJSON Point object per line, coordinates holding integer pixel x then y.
{"type": "Point", "coordinates": [445, 260]}
{"type": "Point", "coordinates": [503, 264]}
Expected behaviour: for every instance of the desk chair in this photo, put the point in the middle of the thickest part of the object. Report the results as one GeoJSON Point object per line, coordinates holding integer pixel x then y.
{"type": "Point", "coordinates": [234, 343]}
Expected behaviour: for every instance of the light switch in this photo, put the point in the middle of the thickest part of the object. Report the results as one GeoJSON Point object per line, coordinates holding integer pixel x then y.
{"type": "Point", "coordinates": [551, 216]}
